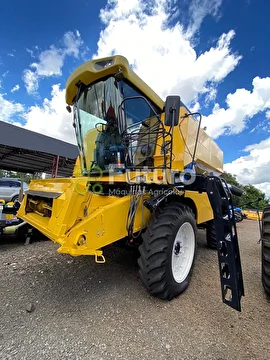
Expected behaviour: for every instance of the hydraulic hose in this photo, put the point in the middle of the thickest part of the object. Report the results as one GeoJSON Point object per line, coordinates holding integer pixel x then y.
{"type": "Point", "coordinates": [10, 230]}
{"type": "Point", "coordinates": [235, 190]}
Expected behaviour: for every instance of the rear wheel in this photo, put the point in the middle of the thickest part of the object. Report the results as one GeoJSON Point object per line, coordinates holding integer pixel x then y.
{"type": "Point", "coordinates": [238, 217]}
{"type": "Point", "coordinates": [168, 251]}
{"type": "Point", "coordinates": [265, 250]}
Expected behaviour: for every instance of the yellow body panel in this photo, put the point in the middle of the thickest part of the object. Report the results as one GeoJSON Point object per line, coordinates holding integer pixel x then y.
{"type": "Point", "coordinates": [208, 155]}
{"type": "Point", "coordinates": [83, 222]}
{"type": "Point", "coordinates": [203, 206]}
{"type": "Point", "coordinates": [77, 213]}
{"type": "Point", "coordinates": [88, 73]}
{"type": "Point", "coordinates": [77, 168]}
{"type": "Point", "coordinates": [73, 214]}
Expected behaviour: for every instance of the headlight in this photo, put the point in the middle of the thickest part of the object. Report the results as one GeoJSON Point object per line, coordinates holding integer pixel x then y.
{"type": "Point", "coordinates": [99, 65]}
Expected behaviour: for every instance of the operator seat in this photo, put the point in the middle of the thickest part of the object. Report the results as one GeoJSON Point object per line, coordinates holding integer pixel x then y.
{"type": "Point", "coordinates": [106, 139]}
{"type": "Point", "coordinates": [146, 142]}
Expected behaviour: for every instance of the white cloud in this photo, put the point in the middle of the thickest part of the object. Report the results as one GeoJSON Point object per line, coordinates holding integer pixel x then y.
{"type": "Point", "coordinates": [5, 74]}
{"type": "Point", "coordinates": [242, 105]}
{"type": "Point", "coordinates": [199, 9]}
{"type": "Point", "coordinates": [72, 43]}
{"type": "Point", "coordinates": [8, 109]}
{"type": "Point", "coordinates": [31, 81]}
{"type": "Point", "coordinates": [51, 61]}
{"type": "Point", "coordinates": [155, 49]}
{"type": "Point", "coordinates": [31, 52]}
{"type": "Point", "coordinates": [51, 118]}
{"type": "Point", "coordinates": [164, 55]}
{"type": "Point", "coordinates": [254, 167]}
{"type": "Point", "coordinates": [15, 88]}
{"type": "Point", "coordinates": [265, 188]}
{"type": "Point", "coordinates": [165, 58]}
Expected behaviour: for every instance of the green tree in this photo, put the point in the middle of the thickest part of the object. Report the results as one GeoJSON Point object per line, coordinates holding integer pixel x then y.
{"type": "Point", "coordinates": [251, 194]}
{"type": "Point", "coordinates": [231, 179]}
{"type": "Point", "coordinates": [25, 177]}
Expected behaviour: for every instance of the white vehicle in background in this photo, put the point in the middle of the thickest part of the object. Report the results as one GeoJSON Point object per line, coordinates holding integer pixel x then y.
{"type": "Point", "coordinates": [10, 189]}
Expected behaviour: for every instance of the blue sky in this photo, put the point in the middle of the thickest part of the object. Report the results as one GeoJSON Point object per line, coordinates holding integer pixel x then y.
{"type": "Point", "coordinates": [212, 53]}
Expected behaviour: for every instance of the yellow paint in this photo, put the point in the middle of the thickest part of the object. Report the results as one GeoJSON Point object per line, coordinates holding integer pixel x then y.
{"type": "Point", "coordinates": [252, 215]}
{"type": "Point", "coordinates": [83, 222]}
{"type": "Point", "coordinates": [77, 168]}
{"type": "Point", "coordinates": [208, 154]}
{"type": "Point", "coordinates": [203, 206]}
{"type": "Point", "coordinates": [7, 217]}
{"type": "Point", "coordinates": [77, 212]}
{"type": "Point", "coordinates": [87, 73]}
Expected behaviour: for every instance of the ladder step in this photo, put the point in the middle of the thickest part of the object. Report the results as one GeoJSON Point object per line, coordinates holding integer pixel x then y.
{"type": "Point", "coordinates": [231, 278]}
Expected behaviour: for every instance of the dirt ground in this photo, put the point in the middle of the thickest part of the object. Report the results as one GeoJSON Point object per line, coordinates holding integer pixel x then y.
{"type": "Point", "coordinates": [57, 307]}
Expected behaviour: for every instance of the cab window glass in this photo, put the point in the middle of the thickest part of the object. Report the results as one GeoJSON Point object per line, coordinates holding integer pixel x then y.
{"type": "Point", "coordinates": [136, 110]}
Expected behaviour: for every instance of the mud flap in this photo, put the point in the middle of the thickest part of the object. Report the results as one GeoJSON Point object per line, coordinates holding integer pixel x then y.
{"type": "Point", "coordinates": [231, 278]}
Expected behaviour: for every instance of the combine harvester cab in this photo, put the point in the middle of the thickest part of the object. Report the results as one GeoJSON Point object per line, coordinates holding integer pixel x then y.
{"type": "Point", "coordinates": [142, 175]}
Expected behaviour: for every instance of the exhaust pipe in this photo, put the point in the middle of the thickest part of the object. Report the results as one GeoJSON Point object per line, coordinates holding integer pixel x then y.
{"type": "Point", "coordinates": [11, 230]}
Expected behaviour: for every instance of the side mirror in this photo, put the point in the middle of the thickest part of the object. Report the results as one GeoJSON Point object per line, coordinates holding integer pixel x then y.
{"type": "Point", "coordinates": [172, 110]}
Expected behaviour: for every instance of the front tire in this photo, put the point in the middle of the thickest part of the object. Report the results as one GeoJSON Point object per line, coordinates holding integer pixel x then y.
{"type": "Point", "coordinates": [265, 250]}
{"type": "Point", "coordinates": [168, 251]}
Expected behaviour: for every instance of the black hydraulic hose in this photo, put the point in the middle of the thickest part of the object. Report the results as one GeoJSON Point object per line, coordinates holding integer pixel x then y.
{"type": "Point", "coordinates": [252, 203]}
{"type": "Point", "coordinates": [235, 190]}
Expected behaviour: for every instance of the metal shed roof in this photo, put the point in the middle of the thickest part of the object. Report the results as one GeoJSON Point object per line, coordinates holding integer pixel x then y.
{"type": "Point", "coordinates": [26, 151]}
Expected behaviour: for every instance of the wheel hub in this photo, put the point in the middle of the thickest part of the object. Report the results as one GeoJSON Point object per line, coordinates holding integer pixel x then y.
{"type": "Point", "coordinates": [177, 248]}
{"type": "Point", "coordinates": [183, 252]}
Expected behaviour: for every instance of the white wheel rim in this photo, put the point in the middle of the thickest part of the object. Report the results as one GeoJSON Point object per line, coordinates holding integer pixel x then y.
{"type": "Point", "coordinates": [183, 252]}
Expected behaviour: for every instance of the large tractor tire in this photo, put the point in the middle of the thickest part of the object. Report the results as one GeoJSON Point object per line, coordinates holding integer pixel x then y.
{"type": "Point", "coordinates": [265, 250]}
{"type": "Point", "coordinates": [211, 236]}
{"type": "Point", "coordinates": [168, 251]}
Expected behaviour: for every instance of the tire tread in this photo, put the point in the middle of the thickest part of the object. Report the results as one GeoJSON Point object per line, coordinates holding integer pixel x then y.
{"type": "Point", "coordinates": [211, 236]}
{"type": "Point", "coordinates": [266, 251]}
{"type": "Point", "coordinates": [155, 246]}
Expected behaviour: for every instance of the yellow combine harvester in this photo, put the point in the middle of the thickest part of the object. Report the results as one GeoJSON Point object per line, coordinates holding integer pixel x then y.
{"type": "Point", "coordinates": [147, 174]}
{"type": "Point", "coordinates": [252, 214]}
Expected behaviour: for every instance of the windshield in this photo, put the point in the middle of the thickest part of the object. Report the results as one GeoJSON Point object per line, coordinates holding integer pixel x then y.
{"type": "Point", "coordinates": [100, 123]}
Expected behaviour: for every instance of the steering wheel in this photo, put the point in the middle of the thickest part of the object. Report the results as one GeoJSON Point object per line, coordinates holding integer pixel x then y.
{"type": "Point", "coordinates": [96, 126]}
